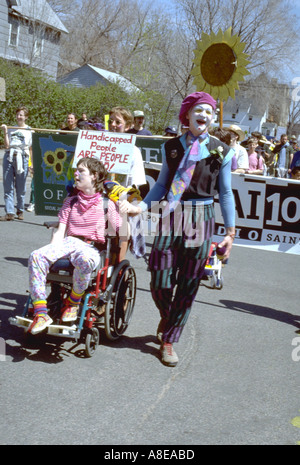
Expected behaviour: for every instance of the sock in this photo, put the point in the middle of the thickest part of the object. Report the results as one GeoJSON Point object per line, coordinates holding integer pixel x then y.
{"type": "Point", "coordinates": [40, 307]}
{"type": "Point", "coordinates": [75, 298]}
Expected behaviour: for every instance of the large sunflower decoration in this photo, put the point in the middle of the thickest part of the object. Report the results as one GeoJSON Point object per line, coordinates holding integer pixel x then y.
{"type": "Point", "coordinates": [219, 64]}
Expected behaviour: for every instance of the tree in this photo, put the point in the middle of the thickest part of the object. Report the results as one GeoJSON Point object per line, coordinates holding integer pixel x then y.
{"type": "Point", "coordinates": [262, 25]}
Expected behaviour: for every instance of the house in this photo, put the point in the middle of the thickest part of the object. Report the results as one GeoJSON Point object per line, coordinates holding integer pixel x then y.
{"type": "Point", "coordinates": [30, 33]}
{"type": "Point", "coordinates": [260, 105]}
{"type": "Point", "coordinates": [246, 113]}
{"type": "Point", "coordinates": [88, 75]}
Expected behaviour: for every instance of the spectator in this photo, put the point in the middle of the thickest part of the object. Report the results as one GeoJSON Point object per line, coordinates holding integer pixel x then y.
{"type": "Point", "coordinates": [171, 131]}
{"type": "Point", "coordinates": [295, 161]}
{"type": "Point", "coordinates": [284, 155]}
{"type": "Point", "coordinates": [256, 165]}
{"type": "Point", "coordinates": [93, 124]}
{"type": "Point", "coordinates": [71, 123]}
{"type": "Point", "coordinates": [184, 129]}
{"type": "Point", "coordinates": [241, 155]}
{"type": "Point", "coordinates": [17, 143]}
{"type": "Point", "coordinates": [295, 172]}
{"type": "Point", "coordinates": [294, 144]}
{"type": "Point", "coordinates": [225, 136]}
{"type": "Point", "coordinates": [96, 124]}
{"type": "Point", "coordinates": [138, 125]}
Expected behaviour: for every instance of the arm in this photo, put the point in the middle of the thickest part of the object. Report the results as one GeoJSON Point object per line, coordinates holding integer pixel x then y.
{"type": "Point", "coordinates": [6, 138]}
{"type": "Point", "coordinates": [157, 192]}
{"type": "Point", "coordinates": [59, 233]}
{"type": "Point", "coordinates": [227, 207]}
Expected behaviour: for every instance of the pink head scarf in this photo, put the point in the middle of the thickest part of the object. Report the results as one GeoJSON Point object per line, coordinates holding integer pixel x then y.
{"type": "Point", "coordinates": [194, 99]}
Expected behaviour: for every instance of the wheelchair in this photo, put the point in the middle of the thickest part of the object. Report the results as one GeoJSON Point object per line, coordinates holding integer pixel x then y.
{"type": "Point", "coordinates": [107, 304]}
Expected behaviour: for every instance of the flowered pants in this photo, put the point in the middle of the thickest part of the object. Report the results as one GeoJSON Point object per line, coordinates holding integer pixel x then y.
{"type": "Point", "coordinates": [84, 257]}
{"type": "Point", "coordinates": [176, 270]}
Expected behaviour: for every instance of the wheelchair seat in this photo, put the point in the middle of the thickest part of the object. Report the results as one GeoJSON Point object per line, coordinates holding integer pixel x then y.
{"type": "Point", "coordinates": [63, 264]}
{"type": "Point", "coordinates": [62, 270]}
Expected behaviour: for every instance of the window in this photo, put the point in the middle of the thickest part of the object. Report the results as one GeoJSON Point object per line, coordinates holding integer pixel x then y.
{"type": "Point", "coordinates": [38, 47]}
{"type": "Point", "coordinates": [13, 34]}
{"type": "Point", "coordinates": [233, 115]}
{"type": "Point", "coordinates": [250, 117]}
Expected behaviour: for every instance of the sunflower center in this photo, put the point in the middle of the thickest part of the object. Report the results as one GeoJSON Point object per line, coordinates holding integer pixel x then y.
{"type": "Point", "coordinates": [217, 64]}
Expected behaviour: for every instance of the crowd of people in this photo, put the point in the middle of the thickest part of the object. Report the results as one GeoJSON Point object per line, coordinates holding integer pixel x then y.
{"type": "Point", "coordinates": [197, 164]}
{"type": "Point", "coordinates": [260, 155]}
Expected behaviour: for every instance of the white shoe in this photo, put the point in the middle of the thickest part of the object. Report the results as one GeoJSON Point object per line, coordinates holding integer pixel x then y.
{"type": "Point", "coordinates": [30, 207]}
{"type": "Point", "coordinates": [168, 355]}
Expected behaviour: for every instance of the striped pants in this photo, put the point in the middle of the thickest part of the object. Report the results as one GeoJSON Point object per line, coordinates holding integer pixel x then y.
{"type": "Point", "coordinates": [177, 266]}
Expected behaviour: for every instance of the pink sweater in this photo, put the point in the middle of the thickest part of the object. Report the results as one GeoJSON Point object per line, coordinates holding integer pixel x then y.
{"type": "Point", "coordinates": [254, 162]}
{"type": "Point", "coordinates": [86, 217]}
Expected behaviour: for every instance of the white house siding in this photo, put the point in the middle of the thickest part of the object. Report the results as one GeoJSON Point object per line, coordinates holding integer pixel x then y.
{"type": "Point", "coordinates": [23, 53]}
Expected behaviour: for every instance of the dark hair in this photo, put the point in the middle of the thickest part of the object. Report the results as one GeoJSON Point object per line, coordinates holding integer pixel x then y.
{"type": "Point", "coordinates": [256, 134]}
{"type": "Point", "coordinates": [26, 112]}
{"type": "Point", "coordinates": [223, 134]}
{"type": "Point", "coordinates": [96, 167]}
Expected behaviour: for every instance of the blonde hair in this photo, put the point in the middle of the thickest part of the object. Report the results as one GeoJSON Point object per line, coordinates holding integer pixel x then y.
{"type": "Point", "coordinates": [126, 115]}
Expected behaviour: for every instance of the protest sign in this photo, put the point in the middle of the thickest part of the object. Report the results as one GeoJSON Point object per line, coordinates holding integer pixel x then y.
{"type": "Point", "coordinates": [114, 150]}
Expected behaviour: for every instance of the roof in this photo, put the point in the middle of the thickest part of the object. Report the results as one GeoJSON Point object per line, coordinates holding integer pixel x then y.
{"type": "Point", "coordinates": [40, 11]}
{"type": "Point", "coordinates": [117, 78]}
{"type": "Point", "coordinates": [88, 75]}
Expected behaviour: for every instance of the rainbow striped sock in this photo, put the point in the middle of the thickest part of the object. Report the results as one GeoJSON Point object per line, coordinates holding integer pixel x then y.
{"type": "Point", "coordinates": [40, 307]}
{"type": "Point", "coordinates": [75, 298]}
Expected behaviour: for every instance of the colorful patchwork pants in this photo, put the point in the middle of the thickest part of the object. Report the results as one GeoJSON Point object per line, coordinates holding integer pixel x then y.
{"type": "Point", "coordinates": [84, 257]}
{"type": "Point", "coordinates": [177, 266]}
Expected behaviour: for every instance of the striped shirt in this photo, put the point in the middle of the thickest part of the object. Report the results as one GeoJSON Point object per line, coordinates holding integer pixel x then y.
{"type": "Point", "coordinates": [85, 217]}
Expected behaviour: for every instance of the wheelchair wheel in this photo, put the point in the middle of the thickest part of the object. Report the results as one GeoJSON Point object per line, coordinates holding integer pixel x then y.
{"type": "Point", "coordinates": [121, 300]}
{"type": "Point", "coordinates": [91, 342]}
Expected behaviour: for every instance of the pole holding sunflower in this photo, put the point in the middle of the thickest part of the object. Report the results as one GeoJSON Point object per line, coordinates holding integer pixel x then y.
{"type": "Point", "coordinates": [220, 64]}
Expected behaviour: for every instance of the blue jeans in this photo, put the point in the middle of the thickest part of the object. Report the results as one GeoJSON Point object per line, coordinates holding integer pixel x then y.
{"type": "Point", "coordinates": [12, 180]}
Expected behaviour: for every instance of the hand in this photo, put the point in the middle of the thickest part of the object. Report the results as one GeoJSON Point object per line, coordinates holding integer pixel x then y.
{"type": "Point", "coordinates": [4, 128]}
{"type": "Point", "coordinates": [129, 208]}
{"type": "Point", "coordinates": [227, 242]}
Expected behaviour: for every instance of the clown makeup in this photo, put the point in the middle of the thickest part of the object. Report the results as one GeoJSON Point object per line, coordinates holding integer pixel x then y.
{"type": "Point", "coordinates": [200, 117]}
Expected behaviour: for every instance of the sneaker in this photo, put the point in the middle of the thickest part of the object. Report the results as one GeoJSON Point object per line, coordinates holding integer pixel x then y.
{"type": "Point", "coordinates": [168, 355]}
{"type": "Point", "coordinates": [160, 329]}
{"type": "Point", "coordinates": [69, 314]}
{"type": "Point", "coordinates": [20, 216]}
{"type": "Point", "coordinates": [30, 207]}
{"type": "Point", "coordinates": [7, 217]}
{"type": "Point", "coordinates": [40, 322]}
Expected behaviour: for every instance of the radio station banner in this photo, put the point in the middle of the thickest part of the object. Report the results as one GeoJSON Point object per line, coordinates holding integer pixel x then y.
{"type": "Point", "coordinates": [267, 209]}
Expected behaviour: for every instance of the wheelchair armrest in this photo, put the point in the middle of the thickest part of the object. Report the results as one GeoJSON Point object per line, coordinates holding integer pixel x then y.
{"type": "Point", "coordinates": [51, 224]}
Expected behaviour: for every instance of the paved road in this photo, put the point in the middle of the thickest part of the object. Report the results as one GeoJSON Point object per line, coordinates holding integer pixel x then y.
{"type": "Point", "coordinates": [236, 382]}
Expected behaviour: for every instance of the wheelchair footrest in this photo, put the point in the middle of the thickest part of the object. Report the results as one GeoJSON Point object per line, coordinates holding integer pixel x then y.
{"type": "Point", "coordinates": [20, 321]}
{"type": "Point", "coordinates": [54, 330]}
{"type": "Point", "coordinates": [63, 331]}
